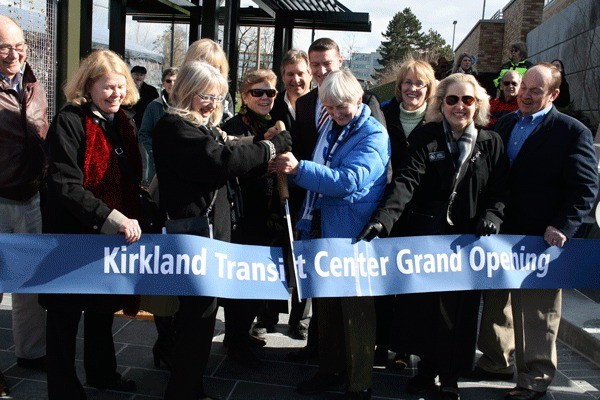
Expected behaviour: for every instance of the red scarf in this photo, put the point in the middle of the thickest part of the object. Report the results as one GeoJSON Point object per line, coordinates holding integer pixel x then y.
{"type": "Point", "coordinates": [102, 175]}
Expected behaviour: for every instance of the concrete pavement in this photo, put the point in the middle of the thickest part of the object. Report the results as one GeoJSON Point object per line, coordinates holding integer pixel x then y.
{"type": "Point", "coordinates": [578, 376]}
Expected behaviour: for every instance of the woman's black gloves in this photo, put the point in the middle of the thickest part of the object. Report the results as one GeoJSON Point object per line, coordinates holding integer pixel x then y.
{"type": "Point", "coordinates": [485, 227]}
{"type": "Point", "coordinates": [282, 142]}
{"type": "Point", "coordinates": [370, 231]}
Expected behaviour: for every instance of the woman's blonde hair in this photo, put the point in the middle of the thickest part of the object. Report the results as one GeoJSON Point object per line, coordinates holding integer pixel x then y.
{"type": "Point", "coordinates": [209, 51]}
{"type": "Point", "coordinates": [423, 71]}
{"type": "Point", "coordinates": [434, 109]}
{"type": "Point", "coordinates": [93, 67]}
{"type": "Point", "coordinates": [340, 87]}
{"type": "Point", "coordinates": [193, 78]}
{"type": "Point", "coordinates": [254, 77]}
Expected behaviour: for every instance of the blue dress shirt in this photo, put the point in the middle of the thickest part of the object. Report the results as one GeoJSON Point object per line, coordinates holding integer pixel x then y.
{"type": "Point", "coordinates": [522, 130]}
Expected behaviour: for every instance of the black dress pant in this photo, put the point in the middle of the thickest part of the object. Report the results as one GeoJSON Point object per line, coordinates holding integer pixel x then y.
{"type": "Point", "coordinates": [447, 332]}
{"type": "Point", "coordinates": [194, 328]}
{"type": "Point", "coordinates": [99, 353]}
{"type": "Point", "coordinates": [239, 315]}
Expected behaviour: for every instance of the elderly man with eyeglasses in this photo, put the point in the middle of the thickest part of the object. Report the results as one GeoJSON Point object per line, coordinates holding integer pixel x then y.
{"type": "Point", "coordinates": [23, 126]}
{"type": "Point", "coordinates": [507, 101]}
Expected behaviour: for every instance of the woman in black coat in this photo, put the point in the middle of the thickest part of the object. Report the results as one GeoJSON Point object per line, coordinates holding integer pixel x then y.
{"type": "Point", "coordinates": [260, 220]}
{"type": "Point", "coordinates": [89, 192]}
{"type": "Point", "coordinates": [193, 163]}
{"type": "Point", "coordinates": [404, 113]}
{"type": "Point", "coordinates": [450, 157]}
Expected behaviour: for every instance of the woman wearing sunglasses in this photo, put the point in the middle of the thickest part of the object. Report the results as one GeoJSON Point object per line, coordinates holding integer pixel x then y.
{"type": "Point", "coordinates": [453, 182]}
{"type": "Point", "coordinates": [259, 215]}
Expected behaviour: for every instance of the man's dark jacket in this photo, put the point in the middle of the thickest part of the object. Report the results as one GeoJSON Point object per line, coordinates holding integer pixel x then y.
{"type": "Point", "coordinates": [554, 179]}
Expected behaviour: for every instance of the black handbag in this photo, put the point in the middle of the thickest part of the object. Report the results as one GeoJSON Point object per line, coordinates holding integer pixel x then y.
{"type": "Point", "coordinates": [199, 226]}
{"type": "Point", "coordinates": [152, 218]}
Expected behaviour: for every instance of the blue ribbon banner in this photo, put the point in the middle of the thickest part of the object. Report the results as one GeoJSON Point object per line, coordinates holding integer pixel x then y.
{"type": "Point", "coordinates": [192, 265]}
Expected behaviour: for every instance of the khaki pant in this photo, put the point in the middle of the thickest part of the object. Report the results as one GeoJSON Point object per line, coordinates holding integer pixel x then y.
{"type": "Point", "coordinates": [496, 333]}
{"type": "Point", "coordinates": [536, 314]}
{"type": "Point", "coordinates": [347, 339]}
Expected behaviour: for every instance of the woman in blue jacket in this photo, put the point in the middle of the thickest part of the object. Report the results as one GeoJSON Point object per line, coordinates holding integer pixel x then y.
{"type": "Point", "coordinates": [344, 182]}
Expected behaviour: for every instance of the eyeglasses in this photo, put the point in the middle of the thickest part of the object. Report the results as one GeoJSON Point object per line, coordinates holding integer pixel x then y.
{"type": "Point", "coordinates": [6, 48]}
{"type": "Point", "coordinates": [260, 92]}
{"type": "Point", "coordinates": [211, 98]}
{"type": "Point", "coordinates": [417, 84]}
{"type": "Point", "coordinates": [466, 100]}
{"type": "Point", "coordinates": [169, 80]}
{"type": "Point", "coordinates": [510, 83]}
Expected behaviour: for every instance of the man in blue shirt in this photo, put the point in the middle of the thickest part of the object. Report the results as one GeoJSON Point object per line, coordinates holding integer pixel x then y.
{"type": "Point", "coordinates": [553, 183]}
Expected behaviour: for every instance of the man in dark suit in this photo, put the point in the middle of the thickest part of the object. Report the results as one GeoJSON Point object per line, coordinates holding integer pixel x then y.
{"type": "Point", "coordinates": [296, 77]}
{"type": "Point", "coordinates": [324, 57]}
{"type": "Point", "coordinates": [553, 184]}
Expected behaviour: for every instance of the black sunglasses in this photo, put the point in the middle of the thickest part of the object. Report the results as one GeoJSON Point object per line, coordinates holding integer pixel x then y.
{"type": "Point", "coordinates": [169, 80]}
{"type": "Point", "coordinates": [452, 100]}
{"type": "Point", "coordinates": [510, 83]}
{"type": "Point", "coordinates": [260, 92]}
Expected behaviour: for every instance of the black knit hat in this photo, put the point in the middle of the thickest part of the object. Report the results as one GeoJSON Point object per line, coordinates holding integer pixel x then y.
{"type": "Point", "coordinates": [139, 69]}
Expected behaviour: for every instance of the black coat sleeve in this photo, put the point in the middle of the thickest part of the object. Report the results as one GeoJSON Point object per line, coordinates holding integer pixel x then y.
{"type": "Point", "coordinates": [66, 144]}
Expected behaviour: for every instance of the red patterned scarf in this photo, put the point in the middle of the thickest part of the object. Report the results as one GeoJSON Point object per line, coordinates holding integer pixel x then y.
{"type": "Point", "coordinates": [102, 175]}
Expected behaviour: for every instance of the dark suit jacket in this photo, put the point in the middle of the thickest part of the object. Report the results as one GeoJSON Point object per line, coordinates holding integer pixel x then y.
{"type": "Point", "coordinates": [554, 180]}
{"type": "Point", "coordinates": [281, 112]}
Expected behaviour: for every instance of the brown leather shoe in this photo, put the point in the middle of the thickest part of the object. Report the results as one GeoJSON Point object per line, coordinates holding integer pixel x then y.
{"type": "Point", "coordinates": [3, 386]}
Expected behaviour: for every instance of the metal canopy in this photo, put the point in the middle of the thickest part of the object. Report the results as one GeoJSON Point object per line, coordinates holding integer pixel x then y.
{"type": "Point", "coordinates": [306, 14]}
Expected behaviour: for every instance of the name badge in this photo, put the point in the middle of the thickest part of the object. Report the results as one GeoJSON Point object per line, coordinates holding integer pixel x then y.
{"type": "Point", "coordinates": [437, 156]}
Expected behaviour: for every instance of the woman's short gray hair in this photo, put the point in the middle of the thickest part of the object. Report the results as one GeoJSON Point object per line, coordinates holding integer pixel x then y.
{"type": "Point", "coordinates": [193, 78]}
{"type": "Point", "coordinates": [340, 87]}
{"type": "Point", "coordinates": [434, 109]}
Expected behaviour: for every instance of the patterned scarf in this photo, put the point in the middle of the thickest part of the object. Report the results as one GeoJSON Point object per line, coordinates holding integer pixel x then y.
{"type": "Point", "coordinates": [102, 174]}
{"type": "Point", "coordinates": [258, 125]}
{"type": "Point", "coordinates": [328, 142]}
{"type": "Point", "coordinates": [464, 145]}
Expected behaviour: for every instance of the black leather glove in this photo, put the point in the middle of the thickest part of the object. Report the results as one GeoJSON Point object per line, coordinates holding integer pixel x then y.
{"type": "Point", "coordinates": [282, 142]}
{"type": "Point", "coordinates": [485, 227]}
{"type": "Point", "coordinates": [370, 231]}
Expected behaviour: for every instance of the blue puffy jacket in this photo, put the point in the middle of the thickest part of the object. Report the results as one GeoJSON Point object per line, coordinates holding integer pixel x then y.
{"type": "Point", "coordinates": [353, 183]}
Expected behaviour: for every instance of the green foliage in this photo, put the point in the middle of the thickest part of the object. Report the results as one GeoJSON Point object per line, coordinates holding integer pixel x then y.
{"type": "Point", "coordinates": [403, 39]}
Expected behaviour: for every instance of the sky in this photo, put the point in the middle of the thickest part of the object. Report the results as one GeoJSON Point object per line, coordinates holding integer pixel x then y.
{"type": "Point", "coordinates": [435, 14]}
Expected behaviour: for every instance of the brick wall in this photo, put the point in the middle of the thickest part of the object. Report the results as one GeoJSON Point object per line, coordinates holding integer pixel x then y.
{"type": "Point", "coordinates": [486, 41]}
{"type": "Point", "coordinates": [521, 16]}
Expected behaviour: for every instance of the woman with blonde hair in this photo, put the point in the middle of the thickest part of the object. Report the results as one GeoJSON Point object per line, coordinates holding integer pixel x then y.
{"type": "Point", "coordinates": [194, 166]}
{"type": "Point", "coordinates": [453, 182]}
{"type": "Point", "coordinates": [209, 51]}
{"type": "Point", "coordinates": [91, 189]}
{"type": "Point", "coordinates": [404, 113]}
